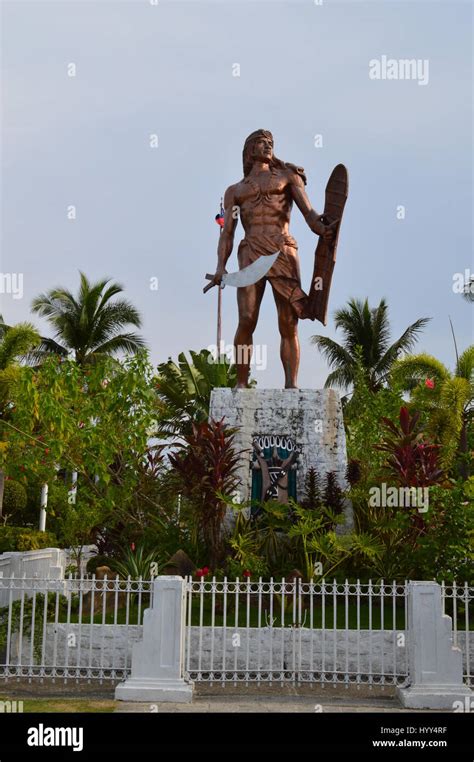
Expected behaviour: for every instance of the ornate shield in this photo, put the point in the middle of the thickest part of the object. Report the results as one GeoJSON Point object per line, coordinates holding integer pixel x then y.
{"type": "Point", "coordinates": [337, 189]}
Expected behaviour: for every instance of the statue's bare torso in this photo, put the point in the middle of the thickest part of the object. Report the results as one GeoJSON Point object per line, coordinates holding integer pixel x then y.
{"type": "Point", "coordinates": [264, 202]}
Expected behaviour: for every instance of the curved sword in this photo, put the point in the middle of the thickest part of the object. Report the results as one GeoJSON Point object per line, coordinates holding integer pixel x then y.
{"type": "Point", "coordinates": [248, 275]}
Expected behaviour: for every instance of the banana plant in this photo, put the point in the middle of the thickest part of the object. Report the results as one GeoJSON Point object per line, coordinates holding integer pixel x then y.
{"type": "Point", "coordinates": [184, 389]}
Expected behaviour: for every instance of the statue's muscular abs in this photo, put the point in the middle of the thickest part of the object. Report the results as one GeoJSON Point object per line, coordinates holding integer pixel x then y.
{"type": "Point", "coordinates": [264, 202]}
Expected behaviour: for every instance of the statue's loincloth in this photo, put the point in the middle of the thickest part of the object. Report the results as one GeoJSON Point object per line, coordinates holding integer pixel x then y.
{"type": "Point", "coordinates": [284, 276]}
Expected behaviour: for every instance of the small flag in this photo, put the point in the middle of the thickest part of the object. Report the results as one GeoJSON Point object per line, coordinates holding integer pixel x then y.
{"type": "Point", "coordinates": [220, 217]}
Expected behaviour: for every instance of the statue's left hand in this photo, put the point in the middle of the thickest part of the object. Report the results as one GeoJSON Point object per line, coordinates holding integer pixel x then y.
{"type": "Point", "coordinates": [328, 233]}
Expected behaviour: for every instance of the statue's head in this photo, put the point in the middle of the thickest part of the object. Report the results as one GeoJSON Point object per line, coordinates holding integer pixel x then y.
{"type": "Point", "coordinates": [258, 147]}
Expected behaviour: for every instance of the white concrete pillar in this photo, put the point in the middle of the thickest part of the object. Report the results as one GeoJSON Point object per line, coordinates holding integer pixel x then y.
{"type": "Point", "coordinates": [44, 505]}
{"type": "Point", "coordinates": [72, 494]}
{"type": "Point", "coordinates": [436, 673]}
{"type": "Point", "coordinates": [158, 661]}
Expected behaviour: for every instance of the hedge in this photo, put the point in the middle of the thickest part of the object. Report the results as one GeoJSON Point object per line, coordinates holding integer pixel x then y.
{"type": "Point", "coordinates": [22, 538]}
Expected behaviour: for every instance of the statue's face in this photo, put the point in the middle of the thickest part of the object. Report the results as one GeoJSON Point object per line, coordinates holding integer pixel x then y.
{"type": "Point", "coordinates": [263, 149]}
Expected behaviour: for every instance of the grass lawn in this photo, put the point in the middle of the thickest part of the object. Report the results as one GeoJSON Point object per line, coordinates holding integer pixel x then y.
{"type": "Point", "coordinates": [358, 614]}
{"type": "Point", "coordinates": [250, 617]}
{"type": "Point", "coordinates": [64, 704]}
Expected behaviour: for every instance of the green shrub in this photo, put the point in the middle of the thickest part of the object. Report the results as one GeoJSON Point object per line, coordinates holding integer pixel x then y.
{"type": "Point", "coordinates": [22, 614]}
{"type": "Point", "coordinates": [14, 499]}
{"type": "Point", "coordinates": [96, 561]}
{"type": "Point", "coordinates": [445, 549]}
{"type": "Point", "coordinates": [21, 539]}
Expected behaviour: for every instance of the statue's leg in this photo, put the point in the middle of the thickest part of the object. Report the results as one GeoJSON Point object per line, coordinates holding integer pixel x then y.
{"type": "Point", "coordinates": [289, 346]}
{"type": "Point", "coordinates": [248, 302]}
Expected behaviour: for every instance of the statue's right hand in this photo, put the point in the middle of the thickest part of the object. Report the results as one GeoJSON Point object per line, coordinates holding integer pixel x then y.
{"type": "Point", "coordinates": [217, 279]}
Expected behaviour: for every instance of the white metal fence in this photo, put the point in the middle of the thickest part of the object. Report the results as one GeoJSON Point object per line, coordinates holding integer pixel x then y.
{"type": "Point", "coordinates": [295, 632]}
{"type": "Point", "coordinates": [71, 628]}
{"type": "Point", "coordinates": [457, 604]}
{"type": "Point", "coordinates": [237, 631]}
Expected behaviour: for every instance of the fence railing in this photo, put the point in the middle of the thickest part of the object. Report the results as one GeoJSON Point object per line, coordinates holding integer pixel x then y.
{"type": "Point", "coordinates": [71, 628]}
{"type": "Point", "coordinates": [237, 631]}
{"type": "Point", "coordinates": [457, 604]}
{"type": "Point", "coordinates": [291, 631]}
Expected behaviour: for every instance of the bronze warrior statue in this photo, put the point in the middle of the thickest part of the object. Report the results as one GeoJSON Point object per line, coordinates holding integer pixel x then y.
{"type": "Point", "coordinates": [263, 200]}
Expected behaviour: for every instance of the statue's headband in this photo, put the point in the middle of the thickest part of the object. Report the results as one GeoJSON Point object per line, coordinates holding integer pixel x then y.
{"type": "Point", "coordinates": [257, 134]}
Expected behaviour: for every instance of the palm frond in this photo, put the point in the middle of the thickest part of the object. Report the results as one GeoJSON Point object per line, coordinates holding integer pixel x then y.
{"type": "Point", "coordinates": [89, 324]}
{"type": "Point", "coordinates": [405, 343]}
{"type": "Point", "coordinates": [16, 342]}
{"type": "Point", "coordinates": [412, 370]}
{"type": "Point", "coordinates": [465, 364]}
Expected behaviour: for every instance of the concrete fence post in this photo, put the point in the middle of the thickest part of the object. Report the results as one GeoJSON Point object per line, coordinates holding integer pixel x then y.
{"type": "Point", "coordinates": [157, 662]}
{"type": "Point", "coordinates": [436, 673]}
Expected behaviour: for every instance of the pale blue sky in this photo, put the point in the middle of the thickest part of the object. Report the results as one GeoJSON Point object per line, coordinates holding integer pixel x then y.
{"type": "Point", "coordinates": [145, 212]}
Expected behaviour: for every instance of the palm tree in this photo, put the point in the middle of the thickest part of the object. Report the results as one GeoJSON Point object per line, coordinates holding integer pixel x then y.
{"type": "Point", "coordinates": [88, 325]}
{"type": "Point", "coordinates": [366, 334]}
{"type": "Point", "coordinates": [15, 343]}
{"type": "Point", "coordinates": [448, 398]}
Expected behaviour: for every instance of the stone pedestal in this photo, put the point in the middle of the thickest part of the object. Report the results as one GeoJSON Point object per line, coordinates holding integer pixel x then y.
{"type": "Point", "coordinates": [157, 662]}
{"type": "Point", "coordinates": [312, 418]}
{"type": "Point", "coordinates": [436, 672]}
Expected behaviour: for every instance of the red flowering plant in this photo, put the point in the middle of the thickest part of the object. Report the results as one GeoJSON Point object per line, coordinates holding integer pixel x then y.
{"type": "Point", "coordinates": [411, 461]}
{"type": "Point", "coordinates": [206, 465]}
